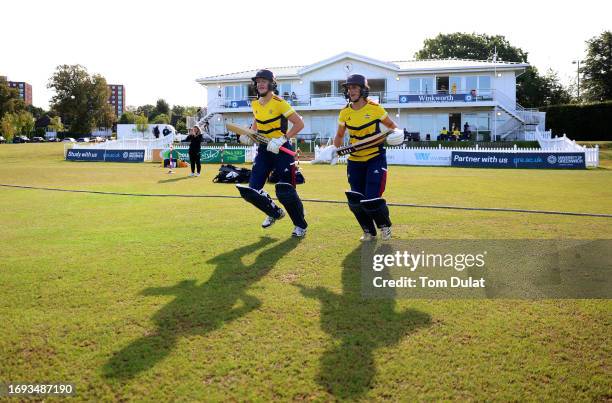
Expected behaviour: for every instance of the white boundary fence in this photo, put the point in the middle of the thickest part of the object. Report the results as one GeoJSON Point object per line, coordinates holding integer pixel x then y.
{"type": "Point", "coordinates": [432, 156]}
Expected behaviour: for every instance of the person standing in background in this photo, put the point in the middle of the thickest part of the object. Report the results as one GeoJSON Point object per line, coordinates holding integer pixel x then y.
{"type": "Point", "coordinates": [195, 150]}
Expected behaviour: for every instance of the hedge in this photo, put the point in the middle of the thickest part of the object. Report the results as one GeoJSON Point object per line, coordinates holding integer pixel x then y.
{"type": "Point", "coordinates": [581, 122]}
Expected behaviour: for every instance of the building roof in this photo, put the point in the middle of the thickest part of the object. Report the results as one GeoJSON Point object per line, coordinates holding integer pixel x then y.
{"type": "Point", "coordinates": [405, 66]}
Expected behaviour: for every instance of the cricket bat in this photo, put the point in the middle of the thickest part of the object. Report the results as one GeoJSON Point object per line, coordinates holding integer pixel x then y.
{"type": "Point", "coordinates": [363, 144]}
{"type": "Point", "coordinates": [256, 137]}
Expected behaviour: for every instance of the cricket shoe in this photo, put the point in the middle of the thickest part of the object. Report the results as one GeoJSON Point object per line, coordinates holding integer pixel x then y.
{"type": "Point", "coordinates": [269, 221]}
{"type": "Point", "coordinates": [192, 174]}
{"type": "Point", "coordinates": [298, 232]}
{"type": "Point", "coordinates": [385, 233]}
{"type": "Point", "coordinates": [367, 237]}
{"type": "Point", "coordinates": [198, 174]}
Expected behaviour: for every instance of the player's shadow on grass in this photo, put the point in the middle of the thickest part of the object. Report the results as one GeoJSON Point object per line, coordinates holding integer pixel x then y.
{"type": "Point", "coordinates": [199, 309]}
{"type": "Point", "coordinates": [175, 179]}
{"type": "Point", "coordinates": [358, 326]}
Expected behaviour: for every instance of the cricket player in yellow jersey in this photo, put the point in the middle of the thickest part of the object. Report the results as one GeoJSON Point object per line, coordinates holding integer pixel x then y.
{"type": "Point", "coordinates": [272, 116]}
{"type": "Point", "coordinates": [367, 168]}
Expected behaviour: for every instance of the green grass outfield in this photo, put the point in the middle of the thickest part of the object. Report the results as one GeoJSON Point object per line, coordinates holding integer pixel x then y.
{"type": "Point", "coordinates": [160, 298]}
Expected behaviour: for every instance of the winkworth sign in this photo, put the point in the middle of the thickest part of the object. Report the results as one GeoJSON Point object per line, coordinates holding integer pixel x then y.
{"type": "Point", "coordinates": [551, 160]}
{"type": "Point", "coordinates": [405, 99]}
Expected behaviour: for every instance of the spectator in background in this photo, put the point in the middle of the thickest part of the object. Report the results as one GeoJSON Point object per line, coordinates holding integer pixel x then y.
{"type": "Point", "coordinates": [293, 98]}
{"type": "Point", "coordinates": [467, 134]}
{"type": "Point", "coordinates": [456, 133]}
{"type": "Point", "coordinates": [443, 134]}
{"type": "Point", "coordinates": [195, 150]}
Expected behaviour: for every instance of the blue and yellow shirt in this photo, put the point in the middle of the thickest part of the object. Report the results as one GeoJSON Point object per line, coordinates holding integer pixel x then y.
{"type": "Point", "coordinates": [361, 124]}
{"type": "Point", "coordinates": [272, 117]}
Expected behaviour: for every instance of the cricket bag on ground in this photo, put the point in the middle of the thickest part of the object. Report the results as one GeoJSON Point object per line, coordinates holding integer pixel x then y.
{"type": "Point", "coordinates": [230, 174]}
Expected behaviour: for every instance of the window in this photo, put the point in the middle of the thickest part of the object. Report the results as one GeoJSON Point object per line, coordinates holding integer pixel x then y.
{"type": "Point", "coordinates": [424, 85]}
{"type": "Point", "coordinates": [484, 84]}
{"type": "Point", "coordinates": [414, 85]}
{"type": "Point", "coordinates": [471, 83]}
{"type": "Point", "coordinates": [455, 85]}
{"type": "Point", "coordinates": [339, 87]}
{"type": "Point", "coordinates": [483, 121]}
{"type": "Point", "coordinates": [427, 85]}
{"type": "Point", "coordinates": [477, 121]}
{"type": "Point", "coordinates": [236, 92]}
{"type": "Point", "coordinates": [377, 87]}
{"type": "Point", "coordinates": [284, 90]}
{"type": "Point", "coordinates": [320, 88]}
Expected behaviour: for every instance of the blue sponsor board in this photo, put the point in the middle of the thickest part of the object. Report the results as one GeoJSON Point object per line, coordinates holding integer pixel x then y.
{"type": "Point", "coordinates": [545, 160]}
{"type": "Point", "coordinates": [82, 154]}
{"type": "Point", "coordinates": [239, 103]}
{"type": "Point", "coordinates": [405, 99]}
{"type": "Point", "coordinates": [124, 156]}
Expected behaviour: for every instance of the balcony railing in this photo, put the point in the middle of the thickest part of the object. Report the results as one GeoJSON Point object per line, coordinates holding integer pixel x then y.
{"type": "Point", "coordinates": [383, 97]}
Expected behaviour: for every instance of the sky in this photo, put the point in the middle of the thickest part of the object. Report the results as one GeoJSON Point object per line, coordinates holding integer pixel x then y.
{"type": "Point", "coordinates": [158, 48]}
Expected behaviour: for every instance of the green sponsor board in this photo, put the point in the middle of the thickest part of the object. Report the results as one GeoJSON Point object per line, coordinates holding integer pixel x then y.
{"type": "Point", "coordinates": [216, 156]}
{"type": "Point", "coordinates": [234, 156]}
{"type": "Point", "coordinates": [166, 154]}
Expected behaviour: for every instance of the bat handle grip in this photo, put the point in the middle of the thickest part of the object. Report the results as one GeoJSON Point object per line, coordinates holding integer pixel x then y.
{"type": "Point", "coordinates": [287, 151]}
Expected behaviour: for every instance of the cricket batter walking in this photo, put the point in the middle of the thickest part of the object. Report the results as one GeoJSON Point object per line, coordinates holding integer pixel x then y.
{"type": "Point", "coordinates": [367, 168]}
{"type": "Point", "coordinates": [272, 115]}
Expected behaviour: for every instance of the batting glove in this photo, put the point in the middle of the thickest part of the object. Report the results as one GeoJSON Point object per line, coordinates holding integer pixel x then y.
{"type": "Point", "coordinates": [246, 140]}
{"type": "Point", "coordinates": [275, 144]}
{"type": "Point", "coordinates": [396, 138]}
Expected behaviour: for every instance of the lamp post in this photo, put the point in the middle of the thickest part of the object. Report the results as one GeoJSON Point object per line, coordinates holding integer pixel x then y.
{"type": "Point", "coordinates": [577, 62]}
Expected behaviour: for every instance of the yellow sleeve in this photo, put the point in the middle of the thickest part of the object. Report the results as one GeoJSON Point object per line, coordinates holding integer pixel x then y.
{"type": "Point", "coordinates": [285, 109]}
{"type": "Point", "coordinates": [382, 113]}
{"type": "Point", "coordinates": [342, 118]}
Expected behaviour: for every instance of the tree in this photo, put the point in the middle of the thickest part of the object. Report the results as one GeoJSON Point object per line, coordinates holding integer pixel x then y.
{"type": "Point", "coordinates": [181, 126]}
{"type": "Point", "coordinates": [555, 93]}
{"type": "Point", "coordinates": [7, 126]}
{"type": "Point", "coordinates": [80, 99]}
{"type": "Point", "coordinates": [191, 111]}
{"type": "Point", "coordinates": [178, 110]}
{"type": "Point", "coordinates": [162, 107]}
{"type": "Point", "coordinates": [56, 124]}
{"type": "Point", "coordinates": [142, 124]}
{"type": "Point", "coordinates": [36, 111]}
{"type": "Point", "coordinates": [531, 86]}
{"type": "Point", "coordinates": [161, 119]}
{"type": "Point", "coordinates": [9, 99]}
{"type": "Point", "coordinates": [597, 68]}
{"type": "Point", "coordinates": [146, 110]}
{"type": "Point", "coordinates": [24, 123]}
{"type": "Point", "coordinates": [104, 116]}
{"type": "Point", "coordinates": [127, 118]}
{"type": "Point", "coordinates": [470, 46]}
